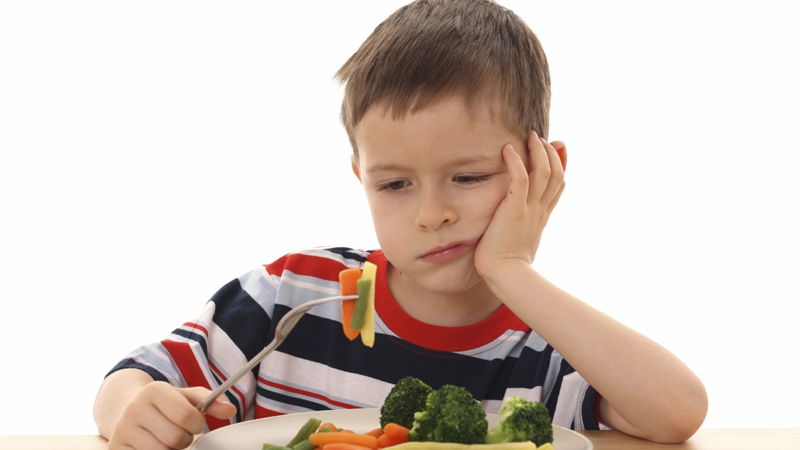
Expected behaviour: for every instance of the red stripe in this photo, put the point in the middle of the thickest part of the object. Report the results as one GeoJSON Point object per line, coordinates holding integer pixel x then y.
{"type": "Point", "coordinates": [312, 266]}
{"type": "Point", "coordinates": [262, 412]}
{"type": "Point", "coordinates": [196, 327]}
{"type": "Point", "coordinates": [242, 399]}
{"type": "Point", "coordinates": [307, 394]}
{"type": "Point", "coordinates": [184, 358]}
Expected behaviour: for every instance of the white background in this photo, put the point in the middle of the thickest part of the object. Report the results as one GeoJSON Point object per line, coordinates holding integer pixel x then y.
{"type": "Point", "coordinates": [152, 151]}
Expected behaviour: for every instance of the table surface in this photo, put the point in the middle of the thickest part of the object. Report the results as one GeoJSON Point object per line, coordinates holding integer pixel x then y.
{"type": "Point", "coordinates": [705, 439]}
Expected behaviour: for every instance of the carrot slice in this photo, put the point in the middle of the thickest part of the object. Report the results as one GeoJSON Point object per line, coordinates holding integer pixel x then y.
{"type": "Point", "coordinates": [368, 331]}
{"type": "Point", "coordinates": [393, 434]}
{"type": "Point", "coordinates": [331, 427]}
{"type": "Point", "coordinates": [343, 446]}
{"type": "Point", "coordinates": [377, 432]}
{"type": "Point", "coordinates": [322, 439]}
{"type": "Point", "coordinates": [396, 431]}
{"type": "Point", "coordinates": [348, 285]}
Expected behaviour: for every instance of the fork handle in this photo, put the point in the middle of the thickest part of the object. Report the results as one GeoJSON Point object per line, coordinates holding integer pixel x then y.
{"type": "Point", "coordinates": [237, 376]}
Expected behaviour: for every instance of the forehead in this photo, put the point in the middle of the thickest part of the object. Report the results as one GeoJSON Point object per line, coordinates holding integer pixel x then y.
{"type": "Point", "coordinates": [448, 129]}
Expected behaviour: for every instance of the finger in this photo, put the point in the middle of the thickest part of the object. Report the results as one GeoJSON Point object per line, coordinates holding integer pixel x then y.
{"type": "Point", "coordinates": [518, 187]}
{"type": "Point", "coordinates": [221, 408]}
{"type": "Point", "coordinates": [145, 426]}
{"type": "Point", "coordinates": [178, 407]}
{"type": "Point", "coordinates": [134, 437]}
{"type": "Point", "coordinates": [167, 432]}
{"type": "Point", "coordinates": [540, 167]}
{"type": "Point", "coordinates": [556, 181]}
{"type": "Point", "coordinates": [555, 199]}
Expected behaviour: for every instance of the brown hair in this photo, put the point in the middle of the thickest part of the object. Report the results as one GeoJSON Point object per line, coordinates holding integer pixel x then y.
{"type": "Point", "coordinates": [430, 49]}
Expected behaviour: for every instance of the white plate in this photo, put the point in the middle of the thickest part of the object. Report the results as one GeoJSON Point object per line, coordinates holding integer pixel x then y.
{"type": "Point", "coordinates": [280, 430]}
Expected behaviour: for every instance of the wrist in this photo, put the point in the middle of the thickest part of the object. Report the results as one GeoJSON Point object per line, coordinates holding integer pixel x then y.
{"type": "Point", "coordinates": [502, 275]}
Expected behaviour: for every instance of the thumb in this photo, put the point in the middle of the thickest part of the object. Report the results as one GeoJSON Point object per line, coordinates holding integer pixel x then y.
{"type": "Point", "coordinates": [220, 408]}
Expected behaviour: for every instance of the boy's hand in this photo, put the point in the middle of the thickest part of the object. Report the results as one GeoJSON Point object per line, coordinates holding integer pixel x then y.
{"type": "Point", "coordinates": [516, 228]}
{"type": "Point", "coordinates": [161, 416]}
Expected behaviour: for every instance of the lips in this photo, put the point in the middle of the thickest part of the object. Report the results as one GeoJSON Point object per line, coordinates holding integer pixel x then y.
{"type": "Point", "coordinates": [448, 252]}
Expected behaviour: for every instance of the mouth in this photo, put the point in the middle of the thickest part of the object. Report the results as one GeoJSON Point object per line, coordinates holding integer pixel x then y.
{"type": "Point", "coordinates": [447, 252]}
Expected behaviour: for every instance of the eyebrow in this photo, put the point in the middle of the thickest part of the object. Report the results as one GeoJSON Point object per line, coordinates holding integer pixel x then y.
{"type": "Point", "coordinates": [463, 161]}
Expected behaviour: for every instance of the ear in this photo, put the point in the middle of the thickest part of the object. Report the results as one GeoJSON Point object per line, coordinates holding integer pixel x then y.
{"type": "Point", "coordinates": [355, 168]}
{"type": "Point", "coordinates": [561, 149]}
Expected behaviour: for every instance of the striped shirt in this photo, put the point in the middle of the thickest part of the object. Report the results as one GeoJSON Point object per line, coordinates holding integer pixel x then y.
{"type": "Point", "coordinates": [318, 368]}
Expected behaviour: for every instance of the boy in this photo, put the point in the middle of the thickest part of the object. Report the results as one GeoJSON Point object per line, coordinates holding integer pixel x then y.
{"type": "Point", "coordinates": [446, 106]}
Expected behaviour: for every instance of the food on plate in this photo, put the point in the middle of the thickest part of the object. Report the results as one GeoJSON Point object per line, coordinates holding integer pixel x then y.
{"type": "Point", "coordinates": [528, 445]}
{"type": "Point", "coordinates": [448, 418]}
{"type": "Point", "coordinates": [451, 414]}
{"type": "Point", "coordinates": [394, 436]}
{"type": "Point", "coordinates": [406, 398]}
{"type": "Point", "coordinates": [358, 316]}
{"type": "Point", "coordinates": [522, 421]}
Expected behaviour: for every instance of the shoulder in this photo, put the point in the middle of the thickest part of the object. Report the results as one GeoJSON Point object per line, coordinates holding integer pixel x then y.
{"type": "Point", "coordinates": [319, 262]}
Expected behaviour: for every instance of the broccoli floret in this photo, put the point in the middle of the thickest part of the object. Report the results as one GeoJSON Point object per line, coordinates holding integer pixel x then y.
{"type": "Point", "coordinates": [406, 397]}
{"type": "Point", "coordinates": [451, 414]}
{"type": "Point", "coordinates": [522, 420]}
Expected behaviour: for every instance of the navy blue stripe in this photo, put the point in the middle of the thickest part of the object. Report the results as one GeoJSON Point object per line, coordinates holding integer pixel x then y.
{"type": "Point", "coordinates": [241, 318]}
{"type": "Point", "coordinates": [132, 364]}
{"type": "Point", "coordinates": [192, 336]}
{"type": "Point", "coordinates": [590, 421]}
{"type": "Point", "coordinates": [289, 400]}
{"type": "Point", "coordinates": [349, 253]}
{"type": "Point", "coordinates": [234, 399]}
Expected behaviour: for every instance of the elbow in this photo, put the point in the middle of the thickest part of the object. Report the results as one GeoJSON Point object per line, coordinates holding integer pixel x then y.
{"type": "Point", "coordinates": [684, 421]}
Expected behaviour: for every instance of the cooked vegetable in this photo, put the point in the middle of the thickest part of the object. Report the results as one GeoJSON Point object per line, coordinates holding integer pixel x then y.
{"type": "Point", "coordinates": [321, 439]}
{"type": "Point", "coordinates": [360, 311]}
{"type": "Point", "coordinates": [305, 431]}
{"type": "Point", "coordinates": [393, 434]}
{"type": "Point", "coordinates": [348, 282]}
{"type": "Point", "coordinates": [274, 447]}
{"type": "Point", "coordinates": [522, 420]}
{"type": "Point", "coordinates": [451, 414]}
{"type": "Point", "coordinates": [406, 398]}
{"type": "Point", "coordinates": [528, 445]}
{"type": "Point", "coordinates": [343, 446]}
{"type": "Point", "coordinates": [368, 331]}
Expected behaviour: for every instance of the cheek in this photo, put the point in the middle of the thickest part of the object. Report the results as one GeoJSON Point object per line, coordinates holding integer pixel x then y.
{"type": "Point", "coordinates": [483, 202]}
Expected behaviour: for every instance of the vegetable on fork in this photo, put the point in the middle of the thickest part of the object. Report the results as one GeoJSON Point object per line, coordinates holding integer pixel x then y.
{"type": "Point", "coordinates": [358, 316]}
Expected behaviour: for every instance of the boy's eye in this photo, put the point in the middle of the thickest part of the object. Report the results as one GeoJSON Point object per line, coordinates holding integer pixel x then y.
{"type": "Point", "coordinates": [470, 179]}
{"type": "Point", "coordinates": [394, 185]}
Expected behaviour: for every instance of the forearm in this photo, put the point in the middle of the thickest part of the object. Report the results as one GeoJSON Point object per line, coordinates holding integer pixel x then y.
{"type": "Point", "coordinates": [114, 395]}
{"type": "Point", "coordinates": [647, 391]}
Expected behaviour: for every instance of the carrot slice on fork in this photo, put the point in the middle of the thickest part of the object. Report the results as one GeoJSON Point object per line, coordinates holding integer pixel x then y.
{"type": "Point", "coordinates": [348, 285]}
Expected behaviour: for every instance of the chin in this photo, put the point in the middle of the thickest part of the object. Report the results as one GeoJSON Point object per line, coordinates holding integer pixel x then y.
{"type": "Point", "coordinates": [450, 284]}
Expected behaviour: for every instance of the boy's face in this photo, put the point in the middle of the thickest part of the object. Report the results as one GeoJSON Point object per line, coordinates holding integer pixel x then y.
{"type": "Point", "coordinates": [433, 181]}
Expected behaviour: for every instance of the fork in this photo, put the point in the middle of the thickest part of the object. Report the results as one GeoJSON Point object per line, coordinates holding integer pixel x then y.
{"type": "Point", "coordinates": [285, 325]}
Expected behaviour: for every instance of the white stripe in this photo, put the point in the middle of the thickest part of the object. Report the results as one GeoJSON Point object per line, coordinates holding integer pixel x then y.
{"type": "Point", "coordinates": [502, 346]}
{"type": "Point", "coordinates": [313, 377]}
{"type": "Point", "coordinates": [260, 286]}
{"type": "Point", "coordinates": [568, 406]}
{"type": "Point", "coordinates": [553, 371]}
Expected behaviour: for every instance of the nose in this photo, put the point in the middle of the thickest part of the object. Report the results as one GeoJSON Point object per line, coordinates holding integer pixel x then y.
{"type": "Point", "coordinates": [434, 210]}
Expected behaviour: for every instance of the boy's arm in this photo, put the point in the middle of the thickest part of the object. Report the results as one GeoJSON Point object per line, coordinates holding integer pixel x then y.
{"type": "Point", "coordinates": [134, 411]}
{"type": "Point", "coordinates": [646, 391]}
